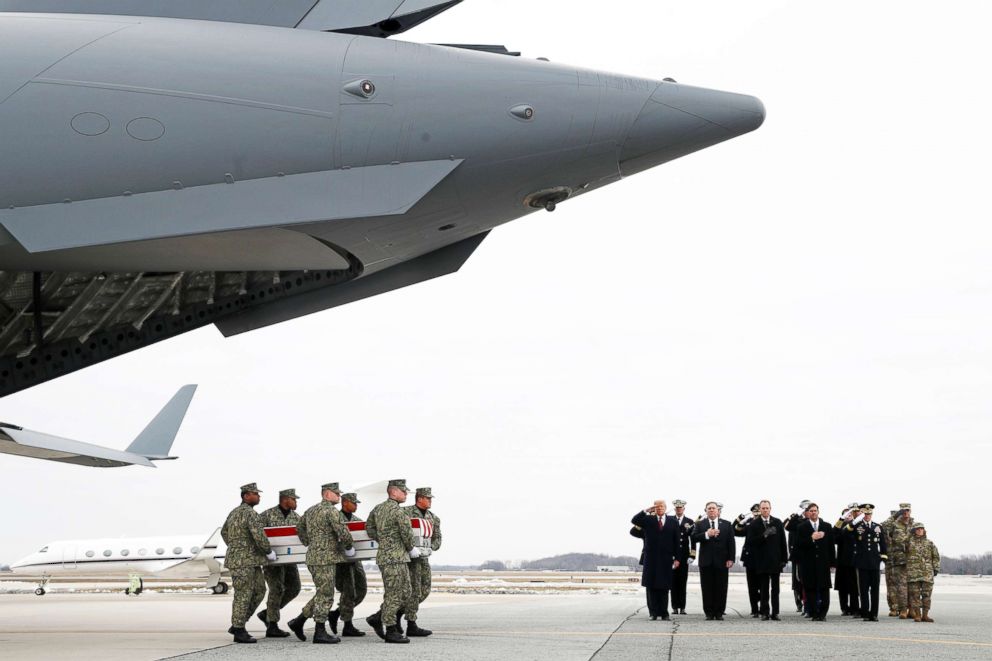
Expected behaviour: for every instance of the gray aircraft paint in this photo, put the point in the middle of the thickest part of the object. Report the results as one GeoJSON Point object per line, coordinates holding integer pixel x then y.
{"type": "Point", "coordinates": [166, 145]}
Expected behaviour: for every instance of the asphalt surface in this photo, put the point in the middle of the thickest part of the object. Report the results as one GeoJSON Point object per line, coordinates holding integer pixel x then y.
{"type": "Point", "coordinates": [585, 626]}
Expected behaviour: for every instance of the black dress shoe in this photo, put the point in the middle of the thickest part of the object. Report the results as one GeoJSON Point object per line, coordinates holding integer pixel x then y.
{"type": "Point", "coordinates": [765, 618]}
{"type": "Point", "coordinates": [753, 614]}
{"type": "Point", "coordinates": [776, 618]}
{"type": "Point", "coordinates": [666, 618]}
{"type": "Point", "coordinates": [654, 617]}
{"type": "Point", "coordinates": [718, 617]}
{"type": "Point", "coordinates": [709, 617]}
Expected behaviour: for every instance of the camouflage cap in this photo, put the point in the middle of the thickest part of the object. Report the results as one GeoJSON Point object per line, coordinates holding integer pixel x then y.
{"type": "Point", "coordinates": [288, 493]}
{"type": "Point", "coordinates": [251, 487]}
{"type": "Point", "coordinates": [917, 524]}
{"type": "Point", "coordinates": [399, 484]}
{"type": "Point", "coordinates": [755, 508]}
{"type": "Point", "coordinates": [905, 506]}
{"type": "Point", "coordinates": [424, 492]}
{"type": "Point", "coordinates": [353, 497]}
{"type": "Point", "coordinates": [678, 503]}
{"type": "Point", "coordinates": [331, 486]}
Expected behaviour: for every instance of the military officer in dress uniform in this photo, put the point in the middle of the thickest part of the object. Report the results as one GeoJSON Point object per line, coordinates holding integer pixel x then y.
{"type": "Point", "coordinates": [791, 525]}
{"type": "Point", "coordinates": [247, 550]}
{"type": "Point", "coordinates": [870, 550]}
{"type": "Point", "coordinates": [350, 580]}
{"type": "Point", "coordinates": [684, 553]}
{"type": "Point", "coordinates": [328, 543]}
{"type": "Point", "coordinates": [846, 577]}
{"type": "Point", "coordinates": [740, 530]}
{"type": "Point", "coordinates": [390, 527]}
{"type": "Point", "coordinates": [283, 580]}
{"type": "Point", "coordinates": [420, 568]}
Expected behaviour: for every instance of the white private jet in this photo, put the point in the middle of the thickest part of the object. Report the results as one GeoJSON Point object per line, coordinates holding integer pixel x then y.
{"type": "Point", "coordinates": [176, 557]}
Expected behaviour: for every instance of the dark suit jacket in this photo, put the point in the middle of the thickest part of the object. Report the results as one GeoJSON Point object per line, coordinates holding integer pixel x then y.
{"type": "Point", "coordinates": [660, 543]}
{"type": "Point", "coordinates": [769, 551]}
{"type": "Point", "coordinates": [714, 551]}
{"type": "Point", "coordinates": [816, 557]}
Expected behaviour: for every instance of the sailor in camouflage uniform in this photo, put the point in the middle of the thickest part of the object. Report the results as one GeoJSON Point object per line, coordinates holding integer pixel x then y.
{"type": "Point", "coordinates": [420, 568]}
{"type": "Point", "coordinates": [247, 550]}
{"type": "Point", "coordinates": [897, 532]}
{"type": "Point", "coordinates": [922, 565]}
{"type": "Point", "coordinates": [349, 579]}
{"type": "Point", "coordinates": [283, 580]}
{"type": "Point", "coordinates": [390, 527]}
{"type": "Point", "coordinates": [870, 550]}
{"type": "Point", "coordinates": [328, 543]}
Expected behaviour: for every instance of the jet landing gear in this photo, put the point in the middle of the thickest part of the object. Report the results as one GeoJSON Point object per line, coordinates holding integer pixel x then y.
{"type": "Point", "coordinates": [136, 587]}
{"type": "Point", "coordinates": [220, 588]}
{"type": "Point", "coordinates": [40, 590]}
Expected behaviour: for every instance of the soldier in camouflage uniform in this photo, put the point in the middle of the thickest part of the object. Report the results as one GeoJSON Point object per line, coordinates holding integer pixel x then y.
{"type": "Point", "coordinates": [890, 595]}
{"type": "Point", "coordinates": [283, 580]}
{"type": "Point", "coordinates": [390, 527]}
{"type": "Point", "coordinates": [328, 542]}
{"type": "Point", "coordinates": [349, 579]}
{"type": "Point", "coordinates": [247, 550]}
{"type": "Point", "coordinates": [420, 568]}
{"type": "Point", "coordinates": [897, 531]}
{"type": "Point", "coordinates": [922, 565]}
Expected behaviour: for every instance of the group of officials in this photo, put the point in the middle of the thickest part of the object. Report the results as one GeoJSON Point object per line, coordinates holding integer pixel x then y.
{"type": "Point", "coordinates": [406, 572]}
{"type": "Point", "coordinates": [855, 546]}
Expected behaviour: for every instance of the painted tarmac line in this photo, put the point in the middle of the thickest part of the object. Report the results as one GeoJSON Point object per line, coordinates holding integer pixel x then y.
{"type": "Point", "coordinates": [680, 634]}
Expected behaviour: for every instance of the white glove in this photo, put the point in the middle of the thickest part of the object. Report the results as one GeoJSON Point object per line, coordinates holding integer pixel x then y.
{"type": "Point", "coordinates": [349, 553]}
{"type": "Point", "coordinates": [271, 557]}
{"type": "Point", "coordinates": [859, 519]}
{"type": "Point", "coordinates": [800, 511]}
{"type": "Point", "coordinates": [748, 518]}
{"type": "Point", "coordinates": [691, 560]}
{"type": "Point", "coordinates": [415, 552]}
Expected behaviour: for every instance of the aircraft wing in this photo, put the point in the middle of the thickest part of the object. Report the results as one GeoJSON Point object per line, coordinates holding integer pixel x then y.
{"type": "Point", "coordinates": [376, 18]}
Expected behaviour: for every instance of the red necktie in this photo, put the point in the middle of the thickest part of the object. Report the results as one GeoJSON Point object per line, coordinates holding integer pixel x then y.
{"type": "Point", "coordinates": [661, 523]}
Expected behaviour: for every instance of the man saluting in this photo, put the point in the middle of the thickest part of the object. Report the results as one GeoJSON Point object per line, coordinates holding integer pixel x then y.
{"type": "Point", "coordinates": [661, 538]}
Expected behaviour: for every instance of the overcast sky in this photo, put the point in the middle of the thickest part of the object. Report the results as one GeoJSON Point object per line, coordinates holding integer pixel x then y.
{"type": "Point", "coordinates": [802, 312]}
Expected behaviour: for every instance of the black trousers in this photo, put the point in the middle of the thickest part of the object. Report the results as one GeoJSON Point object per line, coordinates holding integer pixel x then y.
{"type": "Point", "coordinates": [657, 602]}
{"type": "Point", "coordinates": [847, 589]}
{"type": "Point", "coordinates": [680, 578]}
{"type": "Point", "coordinates": [713, 581]}
{"type": "Point", "coordinates": [868, 582]}
{"type": "Point", "coordinates": [752, 589]}
{"type": "Point", "coordinates": [817, 600]}
{"type": "Point", "coordinates": [768, 593]}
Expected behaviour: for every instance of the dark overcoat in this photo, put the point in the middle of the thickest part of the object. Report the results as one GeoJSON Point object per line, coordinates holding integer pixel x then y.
{"type": "Point", "coordinates": [660, 544]}
{"type": "Point", "coordinates": [816, 557]}
{"type": "Point", "coordinates": [769, 551]}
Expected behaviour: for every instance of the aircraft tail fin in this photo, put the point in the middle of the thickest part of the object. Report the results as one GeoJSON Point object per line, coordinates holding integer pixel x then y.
{"type": "Point", "coordinates": [155, 440]}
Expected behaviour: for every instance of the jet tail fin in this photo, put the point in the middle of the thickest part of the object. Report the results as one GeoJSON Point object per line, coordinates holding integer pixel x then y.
{"type": "Point", "coordinates": [155, 440]}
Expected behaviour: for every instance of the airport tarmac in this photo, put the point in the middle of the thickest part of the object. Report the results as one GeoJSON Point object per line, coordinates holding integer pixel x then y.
{"type": "Point", "coordinates": [598, 623]}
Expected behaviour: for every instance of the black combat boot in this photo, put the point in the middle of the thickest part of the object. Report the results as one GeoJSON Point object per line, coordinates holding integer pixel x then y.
{"type": "Point", "coordinates": [321, 637]}
{"type": "Point", "coordinates": [395, 635]}
{"type": "Point", "coordinates": [272, 630]}
{"type": "Point", "coordinates": [332, 619]}
{"type": "Point", "coordinates": [413, 631]}
{"type": "Point", "coordinates": [350, 631]}
{"type": "Point", "coordinates": [375, 621]}
{"type": "Point", "coordinates": [241, 635]}
{"type": "Point", "coordinates": [296, 626]}
{"type": "Point", "coordinates": [263, 615]}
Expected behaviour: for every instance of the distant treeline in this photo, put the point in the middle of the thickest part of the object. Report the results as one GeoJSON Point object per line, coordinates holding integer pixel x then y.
{"type": "Point", "coordinates": [966, 564]}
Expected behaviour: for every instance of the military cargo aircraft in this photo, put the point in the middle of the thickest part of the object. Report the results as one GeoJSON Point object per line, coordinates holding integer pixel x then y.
{"type": "Point", "coordinates": [171, 164]}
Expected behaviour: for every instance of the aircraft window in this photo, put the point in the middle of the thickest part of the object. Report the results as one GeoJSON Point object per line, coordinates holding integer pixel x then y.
{"type": "Point", "coordinates": [106, 553]}
{"type": "Point", "coordinates": [195, 549]}
{"type": "Point", "coordinates": [90, 554]}
{"type": "Point", "coordinates": [44, 550]}
{"type": "Point", "coordinates": [142, 551]}
{"type": "Point", "coordinates": [159, 551]}
{"type": "Point", "coordinates": [177, 550]}
{"type": "Point", "coordinates": [125, 552]}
